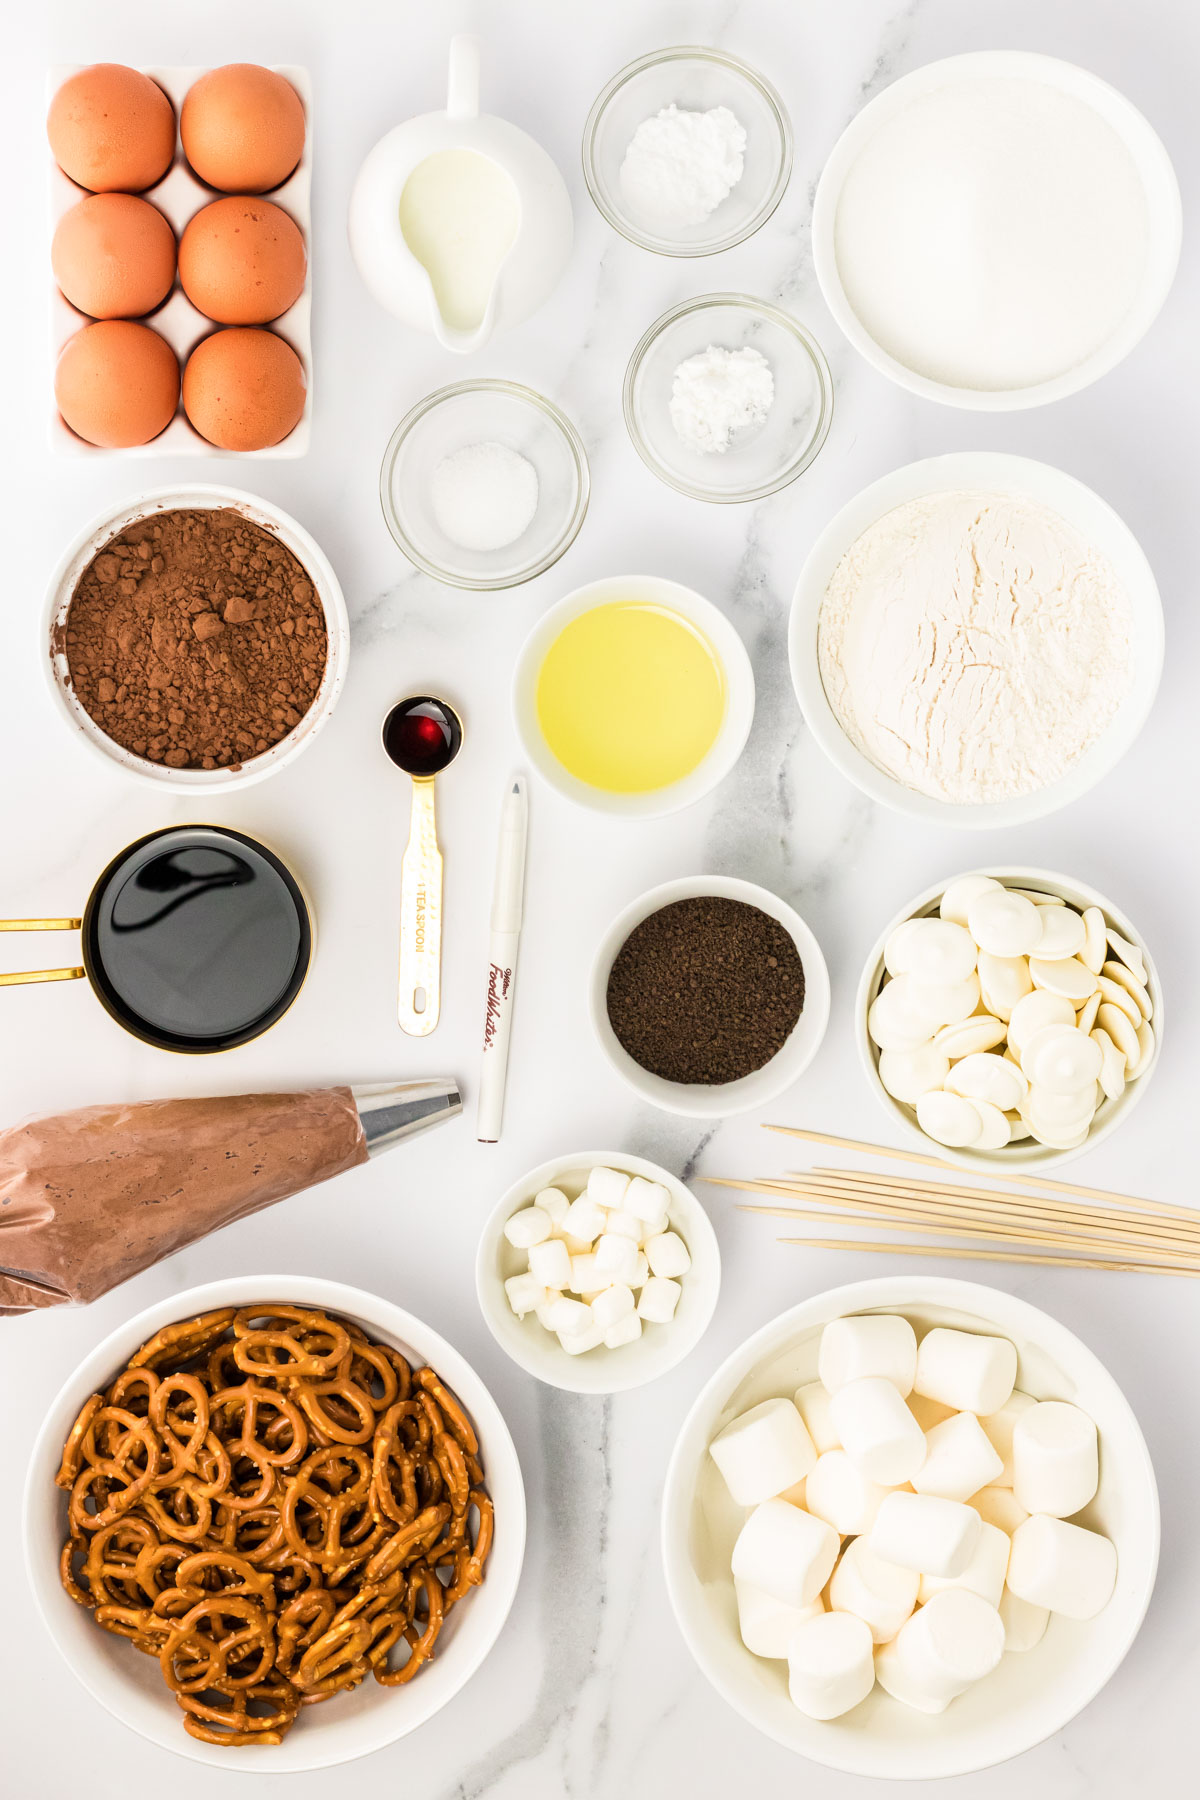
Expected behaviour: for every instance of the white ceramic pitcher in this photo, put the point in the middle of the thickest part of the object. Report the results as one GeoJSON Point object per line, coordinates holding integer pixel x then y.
{"type": "Point", "coordinates": [525, 272]}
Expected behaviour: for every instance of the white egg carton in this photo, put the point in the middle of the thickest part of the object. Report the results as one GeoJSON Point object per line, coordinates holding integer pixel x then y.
{"type": "Point", "coordinates": [179, 195]}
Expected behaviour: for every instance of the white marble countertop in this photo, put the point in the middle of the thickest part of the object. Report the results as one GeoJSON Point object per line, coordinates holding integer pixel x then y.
{"type": "Point", "coordinates": [590, 1691]}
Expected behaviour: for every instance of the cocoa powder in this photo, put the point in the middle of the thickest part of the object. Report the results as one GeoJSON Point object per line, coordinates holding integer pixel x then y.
{"type": "Point", "coordinates": [195, 639]}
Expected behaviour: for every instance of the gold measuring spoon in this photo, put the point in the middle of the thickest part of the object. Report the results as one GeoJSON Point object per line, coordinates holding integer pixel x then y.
{"type": "Point", "coordinates": [422, 736]}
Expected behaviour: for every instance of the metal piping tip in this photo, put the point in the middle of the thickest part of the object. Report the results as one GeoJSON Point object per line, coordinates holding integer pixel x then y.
{"type": "Point", "coordinates": [394, 1110]}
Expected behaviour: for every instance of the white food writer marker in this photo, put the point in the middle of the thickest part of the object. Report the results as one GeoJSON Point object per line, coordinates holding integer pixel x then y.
{"type": "Point", "coordinates": [508, 898]}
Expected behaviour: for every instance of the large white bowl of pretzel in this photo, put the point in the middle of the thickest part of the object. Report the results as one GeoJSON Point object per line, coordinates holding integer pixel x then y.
{"type": "Point", "coordinates": [274, 1523]}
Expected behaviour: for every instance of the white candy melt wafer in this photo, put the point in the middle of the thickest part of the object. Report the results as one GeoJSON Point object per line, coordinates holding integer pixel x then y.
{"type": "Point", "coordinates": [838, 1491]}
{"type": "Point", "coordinates": [830, 1665]}
{"type": "Point", "coordinates": [984, 1574]}
{"type": "Point", "coordinates": [1062, 1567]}
{"type": "Point", "coordinates": [880, 1593]}
{"type": "Point", "coordinates": [925, 1533]}
{"type": "Point", "coordinates": [877, 1430]}
{"type": "Point", "coordinates": [960, 1459]}
{"type": "Point", "coordinates": [766, 1624]}
{"type": "Point", "coordinates": [1055, 1459]}
{"type": "Point", "coordinates": [943, 1650]}
{"type": "Point", "coordinates": [786, 1551]}
{"type": "Point", "coordinates": [763, 1451]}
{"type": "Point", "coordinates": [812, 1403]}
{"type": "Point", "coordinates": [967, 1370]}
{"type": "Point", "coordinates": [881, 1344]}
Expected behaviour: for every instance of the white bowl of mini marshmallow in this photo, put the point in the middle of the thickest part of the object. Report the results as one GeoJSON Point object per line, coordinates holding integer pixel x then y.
{"type": "Point", "coordinates": [598, 1272]}
{"type": "Point", "coordinates": [910, 1528]}
{"type": "Point", "coordinates": [1009, 1019]}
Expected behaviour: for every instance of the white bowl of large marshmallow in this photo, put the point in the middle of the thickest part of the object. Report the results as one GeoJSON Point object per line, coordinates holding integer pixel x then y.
{"type": "Point", "coordinates": [910, 1528]}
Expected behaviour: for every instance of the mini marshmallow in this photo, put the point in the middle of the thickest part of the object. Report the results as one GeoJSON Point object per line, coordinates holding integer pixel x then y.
{"type": "Point", "coordinates": [960, 1458]}
{"type": "Point", "coordinates": [999, 1427]}
{"type": "Point", "coordinates": [525, 1293]}
{"type": "Point", "coordinates": [1062, 1567]}
{"type": "Point", "coordinates": [997, 1506]}
{"type": "Point", "coordinates": [786, 1551]}
{"type": "Point", "coordinates": [567, 1316]}
{"type": "Point", "coordinates": [528, 1227]}
{"type": "Point", "coordinates": [870, 1344]}
{"type": "Point", "coordinates": [550, 1263]}
{"type": "Point", "coordinates": [830, 1665]}
{"type": "Point", "coordinates": [926, 1533]}
{"type": "Point", "coordinates": [626, 1330]}
{"type": "Point", "coordinates": [554, 1203]}
{"type": "Point", "coordinates": [585, 1277]}
{"type": "Point", "coordinates": [641, 1271]}
{"type": "Point", "coordinates": [763, 1452]}
{"type": "Point", "coordinates": [943, 1649]}
{"type": "Point", "coordinates": [615, 1258]}
{"type": "Point", "coordinates": [1024, 1624]}
{"type": "Point", "coordinates": [880, 1593]}
{"type": "Point", "coordinates": [649, 1201]}
{"type": "Point", "coordinates": [623, 1224]}
{"type": "Point", "coordinates": [965, 1369]}
{"type": "Point", "coordinates": [659, 1299]}
{"type": "Point", "coordinates": [544, 1311]}
{"type": "Point", "coordinates": [984, 1574]}
{"type": "Point", "coordinates": [576, 1343]}
{"type": "Point", "coordinates": [585, 1219]}
{"type": "Point", "coordinates": [838, 1492]}
{"type": "Point", "coordinates": [1055, 1456]}
{"type": "Point", "coordinates": [668, 1255]}
{"type": "Point", "coordinates": [766, 1624]}
{"type": "Point", "coordinates": [812, 1402]}
{"type": "Point", "coordinates": [607, 1187]}
{"type": "Point", "coordinates": [877, 1430]}
{"type": "Point", "coordinates": [611, 1304]}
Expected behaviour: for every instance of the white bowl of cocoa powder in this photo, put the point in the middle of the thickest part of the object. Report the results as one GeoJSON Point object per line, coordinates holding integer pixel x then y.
{"type": "Point", "coordinates": [196, 637]}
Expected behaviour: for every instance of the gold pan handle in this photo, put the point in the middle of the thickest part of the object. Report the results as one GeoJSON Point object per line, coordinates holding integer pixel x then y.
{"type": "Point", "coordinates": [30, 975]}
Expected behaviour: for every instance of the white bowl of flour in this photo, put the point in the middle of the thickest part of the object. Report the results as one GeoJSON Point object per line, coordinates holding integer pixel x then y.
{"type": "Point", "coordinates": [996, 230]}
{"type": "Point", "coordinates": [976, 639]}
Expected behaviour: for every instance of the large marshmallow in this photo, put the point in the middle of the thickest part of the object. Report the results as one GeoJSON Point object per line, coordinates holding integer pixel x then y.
{"type": "Point", "coordinates": [999, 1506]}
{"type": "Point", "coordinates": [880, 1344]}
{"type": "Point", "coordinates": [965, 1369]}
{"type": "Point", "coordinates": [877, 1430]}
{"type": "Point", "coordinates": [999, 1427]}
{"type": "Point", "coordinates": [1056, 1459]}
{"type": "Point", "coordinates": [1024, 1624]}
{"type": "Point", "coordinates": [763, 1451]}
{"type": "Point", "coordinates": [812, 1402]}
{"type": "Point", "coordinates": [830, 1665]}
{"type": "Point", "coordinates": [983, 1575]}
{"type": "Point", "coordinates": [785, 1551]}
{"type": "Point", "coordinates": [944, 1648]}
{"type": "Point", "coordinates": [839, 1492]}
{"type": "Point", "coordinates": [925, 1533]}
{"type": "Point", "coordinates": [928, 1413]}
{"type": "Point", "coordinates": [1062, 1567]}
{"type": "Point", "coordinates": [881, 1593]}
{"type": "Point", "coordinates": [766, 1624]}
{"type": "Point", "coordinates": [959, 1459]}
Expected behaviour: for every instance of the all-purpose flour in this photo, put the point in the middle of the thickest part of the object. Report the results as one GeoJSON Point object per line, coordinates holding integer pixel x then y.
{"type": "Point", "coordinates": [680, 165]}
{"type": "Point", "coordinates": [974, 645]}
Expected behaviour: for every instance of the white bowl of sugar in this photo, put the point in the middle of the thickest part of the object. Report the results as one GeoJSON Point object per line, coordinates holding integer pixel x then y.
{"type": "Point", "coordinates": [943, 275]}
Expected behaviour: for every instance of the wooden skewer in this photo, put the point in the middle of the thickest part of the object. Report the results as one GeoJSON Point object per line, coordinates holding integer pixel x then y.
{"type": "Point", "coordinates": [970, 1255]}
{"type": "Point", "coordinates": [917, 1225]}
{"type": "Point", "coordinates": [1017, 1175]}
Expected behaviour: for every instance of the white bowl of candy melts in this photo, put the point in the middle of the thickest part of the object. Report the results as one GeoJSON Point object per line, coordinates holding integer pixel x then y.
{"type": "Point", "coordinates": [1009, 1019]}
{"type": "Point", "coordinates": [597, 1272]}
{"type": "Point", "coordinates": [910, 1528]}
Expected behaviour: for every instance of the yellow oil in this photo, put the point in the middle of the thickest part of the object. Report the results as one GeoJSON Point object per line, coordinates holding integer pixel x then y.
{"type": "Point", "coordinates": [630, 696]}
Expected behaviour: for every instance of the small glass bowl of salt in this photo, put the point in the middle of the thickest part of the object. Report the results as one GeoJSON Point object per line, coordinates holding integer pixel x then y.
{"type": "Point", "coordinates": [728, 398]}
{"type": "Point", "coordinates": [484, 484]}
{"type": "Point", "coordinates": [687, 151]}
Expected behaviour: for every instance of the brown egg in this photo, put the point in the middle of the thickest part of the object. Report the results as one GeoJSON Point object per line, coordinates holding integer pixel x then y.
{"type": "Point", "coordinates": [244, 389]}
{"type": "Point", "coordinates": [242, 261]}
{"type": "Point", "coordinates": [242, 128]}
{"type": "Point", "coordinates": [114, 256]}
{"type": "Point", "coordinates": [117, 383]}
{"type": "Point", "coordinates": [112, 129]}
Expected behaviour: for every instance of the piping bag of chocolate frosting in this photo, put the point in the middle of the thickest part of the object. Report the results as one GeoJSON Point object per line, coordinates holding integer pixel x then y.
{"type": "Point", "coordinates": [89, 1198]}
